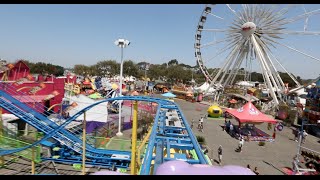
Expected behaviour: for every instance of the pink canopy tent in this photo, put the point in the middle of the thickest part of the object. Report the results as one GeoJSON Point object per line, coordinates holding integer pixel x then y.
{"type": "Point", "coordinates": [250, 114]}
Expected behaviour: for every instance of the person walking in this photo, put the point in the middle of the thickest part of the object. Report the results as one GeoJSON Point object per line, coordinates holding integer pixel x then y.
{"type": "Point", "coordinates": [200, 125]}
{"type": "Point", "coordinates": [225, 125]}
{"type": "Point", "coordinates": [231, 129]}
{"type": "Point", "coordinates": [228, 126]}
{"type": "Point", "coordinates": [296, 134]}
{"type": "Point", "coordinates": [220, 154]}
{"type": "Point", "coordinates": [304, 136]}
{"type": "Point", "coordinates": [192, 122]}
{"type": "Point", "coordinates": [241, 142]}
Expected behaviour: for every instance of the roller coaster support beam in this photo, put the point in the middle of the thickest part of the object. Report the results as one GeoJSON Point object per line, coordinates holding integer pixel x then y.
{"type": "Point", "coordinates": [1, 135]}
{"type": "Point", "coordinates": [133, 166]}
{"type": "Point", "coordinates": [33, 151]}
{"type": "Point", "coordinates": [84, 144]}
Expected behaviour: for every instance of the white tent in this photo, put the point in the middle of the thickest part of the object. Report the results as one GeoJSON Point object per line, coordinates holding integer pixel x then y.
{"type": "Point", "coordinates": [204, 87]}
{"type": "Point", "coordinates": [7, 118]}
{"type": "Point", "coordinates": [98, 113]}
{"type": "Point", "coordinates": [245, 83]}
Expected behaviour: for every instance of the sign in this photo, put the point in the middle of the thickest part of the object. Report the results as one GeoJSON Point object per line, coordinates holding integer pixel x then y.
{"type": "Point", "coordinates": [279, 127]}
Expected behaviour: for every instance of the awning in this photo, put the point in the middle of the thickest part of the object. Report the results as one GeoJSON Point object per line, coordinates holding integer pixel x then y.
{"type": "Point", "coordinates": [250, 114]}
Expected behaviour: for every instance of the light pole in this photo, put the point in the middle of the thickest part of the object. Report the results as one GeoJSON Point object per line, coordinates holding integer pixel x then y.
{"type": "Point", "coordinates": [122, 43]}
{"type": "Point", "coordinates": [146, 68]}
{"type": "Point", "coordinates": [299, 143]}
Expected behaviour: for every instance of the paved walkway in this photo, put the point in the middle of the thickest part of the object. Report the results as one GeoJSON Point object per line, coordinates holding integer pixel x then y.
{"type": "Point", "coordinates": [270, 159]}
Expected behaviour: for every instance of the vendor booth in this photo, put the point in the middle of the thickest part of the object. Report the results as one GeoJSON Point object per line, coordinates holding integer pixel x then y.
{"type": "Point", "coordinates": [248, 116]}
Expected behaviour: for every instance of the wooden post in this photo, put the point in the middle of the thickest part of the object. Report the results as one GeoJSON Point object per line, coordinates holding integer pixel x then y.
{"type": "Point", "coordinates": [33, 166]}
{"type": "Point", "coordinates": [134, 138]}
{"type": "Point", "coordinates": [84, 144]}
{"type": "Point", "coordinates": [32, 161]}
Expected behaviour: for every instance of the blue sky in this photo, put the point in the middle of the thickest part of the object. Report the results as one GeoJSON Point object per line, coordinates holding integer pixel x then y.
{"type": "Point", "coordinates": [84, 34]}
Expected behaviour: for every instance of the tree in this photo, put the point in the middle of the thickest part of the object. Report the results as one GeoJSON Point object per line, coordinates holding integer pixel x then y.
{"type": "Point", "coordinates": [256, 77]}
{"type": "Point", "coordinates": [299, 79]}
{"type": "Point", "coordinates": [156, 71]}
{"type": "Point", "coordinates": [130, 68]}
{"type": "Point", "coordinates": [81, 69]}
{"type": "Point", "coordinates": [59, 70]}
{"type": "Point", "coordinates": [44, 68]}
{"type": "Point", "coordinates": [287, 79]}
{"type": "Point", "coordinates": [109, 67]}
{"type": "Point", "coordinates": [175, 73]}
{"type": "Point", "coordinates": [186, 66]}
{"type": "Point", "coordinates": [173, 62]}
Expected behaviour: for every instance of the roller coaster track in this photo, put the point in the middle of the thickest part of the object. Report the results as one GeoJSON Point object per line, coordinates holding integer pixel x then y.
{"type": "Point", "coordinates": [163, 137]}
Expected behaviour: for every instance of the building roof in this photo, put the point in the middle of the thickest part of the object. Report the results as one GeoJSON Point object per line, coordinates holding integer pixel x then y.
{"type": "Point", "coordinates": [30, 98]}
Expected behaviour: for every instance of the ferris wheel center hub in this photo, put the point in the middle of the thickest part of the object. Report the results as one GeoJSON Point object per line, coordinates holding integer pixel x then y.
{"type": "Point", "coordinates": [248, 29]}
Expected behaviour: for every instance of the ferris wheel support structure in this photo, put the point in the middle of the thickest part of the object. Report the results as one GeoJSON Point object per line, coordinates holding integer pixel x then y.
{"type": "Point", "coordinates": [249, 35]}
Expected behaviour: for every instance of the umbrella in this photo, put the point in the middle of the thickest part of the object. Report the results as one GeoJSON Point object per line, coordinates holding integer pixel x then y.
{"type": "Point", "coordinates": [168, 95]}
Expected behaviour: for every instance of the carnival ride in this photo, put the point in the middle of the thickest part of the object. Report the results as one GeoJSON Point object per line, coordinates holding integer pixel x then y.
{"type": "Point", "coordinates": [170, 131]}
{"type": "Point", "coordinates": [249, 36]}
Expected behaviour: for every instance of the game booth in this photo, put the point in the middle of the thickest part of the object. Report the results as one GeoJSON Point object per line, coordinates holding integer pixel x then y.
{"type": "Point", "coordinates": [248, 117]}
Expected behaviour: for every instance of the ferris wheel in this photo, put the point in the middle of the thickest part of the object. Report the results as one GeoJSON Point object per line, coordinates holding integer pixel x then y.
{"type": "Point", "coordinates": [239, 39]}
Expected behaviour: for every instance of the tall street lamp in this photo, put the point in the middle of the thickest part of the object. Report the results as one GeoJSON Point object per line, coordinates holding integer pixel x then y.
{"type": "Point", "coordinates": [122, 43]}
{"type": "Point", "coordinates": [296, 160]}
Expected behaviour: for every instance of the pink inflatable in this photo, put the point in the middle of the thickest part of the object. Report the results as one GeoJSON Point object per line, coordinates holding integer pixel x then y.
{"type": "Point", "coordinates": [183, 168]}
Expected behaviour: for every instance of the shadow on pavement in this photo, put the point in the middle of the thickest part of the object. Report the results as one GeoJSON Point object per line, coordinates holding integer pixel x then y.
{"type": "Point", "coordinates": [216, 161]}
{"type": "Point", "coordinates": [275, 167]}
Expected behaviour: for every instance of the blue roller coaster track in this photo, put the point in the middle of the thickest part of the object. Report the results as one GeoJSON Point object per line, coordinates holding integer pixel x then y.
{"type": "Point", "coordinates": [163, 136]}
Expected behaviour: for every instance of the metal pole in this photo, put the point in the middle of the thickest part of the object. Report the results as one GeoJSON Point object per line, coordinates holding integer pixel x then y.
{"type": "Point", "coordinates": [1, 123]}
{"type": "Point", "coordinates": [134, 138]}
{"type": "Point", "coordinates": [145, 76]}
{"type": "Point", "coordinates": [84, 144]}
{"type": "Point", "coordinates": [298, 148]}
{"type": "Point", "coordinates": [1, 136]}
{"type": "Point", "coordinates": [119, 133]}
